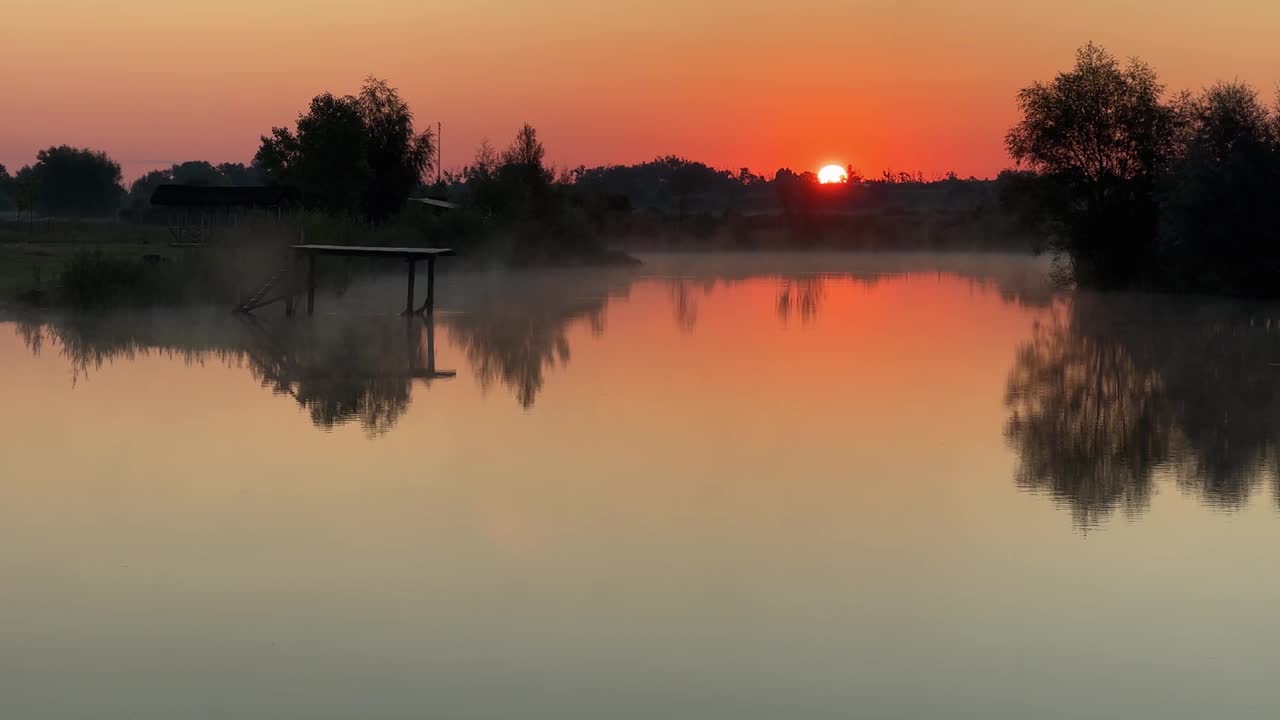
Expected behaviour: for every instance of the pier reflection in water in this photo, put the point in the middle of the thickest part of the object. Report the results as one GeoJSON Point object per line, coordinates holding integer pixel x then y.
{"type": "Point", "coordinates": [753, 487]}
{"type": "Point", "coordinates": [357, 370]}
{"type": "Point", "coordinates": [1107, 394]}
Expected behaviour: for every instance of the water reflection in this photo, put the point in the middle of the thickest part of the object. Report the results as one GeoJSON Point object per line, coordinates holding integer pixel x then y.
{"type": "Point", "coordinates": [751, 494]}
{"type": "Point", "coordinates": [1107, 397]}
{"type": "Point", "coordinates": [512, 329]}
{"type": "Point", "coordinates": [360, 369]}
{"type": "Point", "coordinates": [1113, 392]}
{"type": "Point", "coordinates": [684, 295]}
{"type": "Point", "coordinates": [348, 371]}
{"type": "Point", "coordinates": [800, 297]}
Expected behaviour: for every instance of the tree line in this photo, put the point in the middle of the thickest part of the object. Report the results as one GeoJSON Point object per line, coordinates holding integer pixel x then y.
{"type": "Point", "coordinates": [1139, 188]}
{"type": "Point", "coordinates": [360, 156]}
{"type": "Point", "coordinates": [1130, 186]}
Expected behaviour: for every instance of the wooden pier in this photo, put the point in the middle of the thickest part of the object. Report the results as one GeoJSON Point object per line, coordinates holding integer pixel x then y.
{"type": "Point", "coordinates": [411, 257]}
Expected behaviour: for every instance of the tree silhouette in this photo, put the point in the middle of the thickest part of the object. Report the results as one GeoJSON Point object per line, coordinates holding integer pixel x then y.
{"type": "Point", "coordinates": [1102, 135]}
{"type": "Point", "coordinates": [140, 190]}
{"type": "Point", "coordinates": [350, 155]}
{"type": "Point", "coordinates": [396, 156]}
{"type": "Point", "coordinates": [324, 158]}
{"type": "Point", "coordinates": [1220, 216]}
{"type": "Point", "coordinates": [200, 173]}
{"type": "Point", "coordinates": [8, 190]}
{"type": "Point", "coordinates": [519, 186]}
{"type": "Point", "coordinates": [73, 181]}
{"type": "Point", "coordinates": [239, 174]}
{"type": "Point", "coordinates": [526, 155]}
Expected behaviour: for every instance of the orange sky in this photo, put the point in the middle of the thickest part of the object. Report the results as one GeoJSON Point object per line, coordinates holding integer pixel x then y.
{"type": "Point", "coordinates": [911, 84]}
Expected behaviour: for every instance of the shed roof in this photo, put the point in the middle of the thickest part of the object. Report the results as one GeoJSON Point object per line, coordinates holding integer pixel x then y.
{"type": "Point", "coordinates": [436, 203]}
{"type": "Point", "coordinates": [216, 196]}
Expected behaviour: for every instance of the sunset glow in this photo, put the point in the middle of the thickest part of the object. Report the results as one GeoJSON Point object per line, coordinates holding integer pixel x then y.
{"type": "Point", "coordinates": [832, 174]}
{"type": "Point", "coordinates": [732, 84]}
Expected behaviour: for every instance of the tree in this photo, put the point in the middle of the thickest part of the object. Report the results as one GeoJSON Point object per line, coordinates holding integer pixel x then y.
{"type": "Point", "coordinates": [324, 158]}
{"type": "Point", "coordinates": [797, 193]}
{"type": "Point", "coordinates": [396, 156]}
{"type": "Point", "coordinates": [1219, 220]}
{"type": "Point", "coordinates": [8, 190]}
{"type": "Point", "coordinates": [350, 155]}
{"type": "Point", "coordinates": [1104, 134]}
{"type": "Point", "coordinates": [526, 152]}
{"type": "Point", "coordinates": [685, 178]}
{"type": "Point", "coordinates": [24, 186]}
{"type": "Point", "coordinates": [486, 161]}
{"type": "Point", "coordinates": [198, 172]}
{"type": "Point", "coordinates": [240, 175]}
{"type": "Point", "coordinates": [73, 181]}
{"type": "Point", "coordinates": [666, 183]}
{"type": "Point", "coordinates": [515, 184]}
{"type": "Point", "coordinates": [140, 190]}
{"type": "Point", "coordinates": [192, 172]}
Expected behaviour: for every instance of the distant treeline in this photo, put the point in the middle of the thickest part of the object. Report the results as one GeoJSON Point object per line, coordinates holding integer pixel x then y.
{"type": "Point", "coordinates": [356, 159]}
{"type": "Point", "coordinates": [1129, 185]}
{"type": "Point", "coordinates": [1138, 188]}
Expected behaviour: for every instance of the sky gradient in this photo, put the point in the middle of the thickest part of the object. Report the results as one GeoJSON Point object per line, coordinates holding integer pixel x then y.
{"type": "Point", "coordinates": [915, 85]}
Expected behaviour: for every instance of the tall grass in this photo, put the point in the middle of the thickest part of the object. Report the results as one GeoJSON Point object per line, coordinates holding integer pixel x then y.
{"type": "Point", "coordinates": [93, 278]}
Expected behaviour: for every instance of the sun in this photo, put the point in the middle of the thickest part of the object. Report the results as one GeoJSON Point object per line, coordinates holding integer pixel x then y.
{"type": "Point", "coordinates": [832, 174]}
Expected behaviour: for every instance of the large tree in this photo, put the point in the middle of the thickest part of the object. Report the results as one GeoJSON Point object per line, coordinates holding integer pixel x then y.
{"type": "Point", "coordinates": [351, 155]}
{"type": "Point", "coordinates": [73, 181]}
{"type": "Point", "coordinates": [192, 172]}
{"type": "Point", "coordinates": [198, 172]}
{"type": "Point", "coordinates": [8, 191]}
{"type": "Point", "coordinates": [515, 184]}
{"type": "Point", "coordinates": [140, 190]}
{"type": "Point", "coordinates": [1220, 219]}
{"type": "Point", "coordinates": [397, 156]}
{"type": "Point", "coordinates": [239, 174]}
{"type": "Point", "coordinates": [1102, 134]}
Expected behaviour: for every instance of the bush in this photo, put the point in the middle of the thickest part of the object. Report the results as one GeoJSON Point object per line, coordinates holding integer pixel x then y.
{"type": "Point", "coordinates": [93, 278]}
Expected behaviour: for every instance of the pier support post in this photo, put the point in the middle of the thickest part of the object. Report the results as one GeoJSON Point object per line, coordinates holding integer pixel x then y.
{"type": "Point", "coordinates": [430, 304]}
{"type": "Point", "coordinates": [430, 320]}
{"type": "Point", "coordinates": [311, 283]}
{"type": "Point", "coordinates": [289, 278]}
{"type": "Point", "coordinates": [413, 272]}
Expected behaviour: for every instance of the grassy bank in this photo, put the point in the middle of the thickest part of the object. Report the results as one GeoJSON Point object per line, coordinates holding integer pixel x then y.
{"type": "Point", "coordinates": [90, 265]}
{"type": "Point", "coordinates": [85, 264]}
{"type": "Point", "coordinates": [107, 264]}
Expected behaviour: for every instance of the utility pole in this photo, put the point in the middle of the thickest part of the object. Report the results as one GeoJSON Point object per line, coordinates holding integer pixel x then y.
{"type": "Point", "coordinates": [439, 152]}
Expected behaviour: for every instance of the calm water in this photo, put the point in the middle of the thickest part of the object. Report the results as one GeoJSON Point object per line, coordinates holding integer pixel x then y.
{"type": "Point", "coordinates": [755, 487]}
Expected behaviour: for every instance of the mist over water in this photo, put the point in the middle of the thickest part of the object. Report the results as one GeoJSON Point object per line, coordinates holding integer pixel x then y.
{"type": "Point", "coordinates": [767, 485]}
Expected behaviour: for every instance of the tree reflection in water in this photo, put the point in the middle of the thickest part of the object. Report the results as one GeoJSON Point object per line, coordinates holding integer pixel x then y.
{"type": "Point", "coordinates": [355, 369]}
{"type": "Point", "coordinates": [513, 328]}
{"type": "Point", "coordinates": [1113, 391]}
{"type": "Point", "coordinates": [361, 371]}
{"type": "Point", "coordinates": [801, 297]}
{"type": "Point", "coordinates": [1086, 422]}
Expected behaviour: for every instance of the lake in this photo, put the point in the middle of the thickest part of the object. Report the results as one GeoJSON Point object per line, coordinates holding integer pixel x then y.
{"type": "Point", "coordinates": [757, 486]}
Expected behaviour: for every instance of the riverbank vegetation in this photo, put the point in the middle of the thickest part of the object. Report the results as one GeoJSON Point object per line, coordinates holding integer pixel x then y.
{"type": "Point", "coordinates": [1128, 185]}
{"type": "Point", "coordinates": [1137, 188]}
